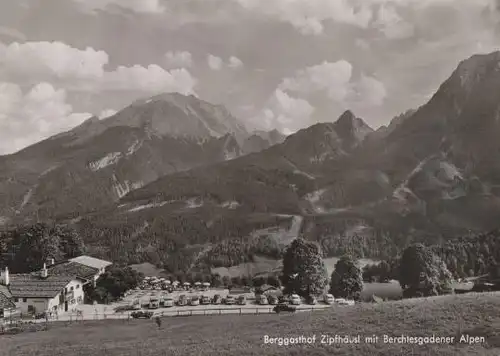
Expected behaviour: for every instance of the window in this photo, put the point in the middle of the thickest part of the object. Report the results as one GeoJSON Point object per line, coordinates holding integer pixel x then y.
{"type": "Point", "coordinates": [77, 286]}
{"type": "Point", "coordinates": [16, 300]}
{"type": "Point", "coordinates": [25, 300]}
{"type": "Point", "coordinates": [72, 288]}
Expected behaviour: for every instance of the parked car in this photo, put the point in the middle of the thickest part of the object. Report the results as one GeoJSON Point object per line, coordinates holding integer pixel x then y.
{"type": "Point", "coordinates": [182, 300]}
{"type": "Point", "coordinates": [342, 301]}
{"type": "Point", "coordinates": [242, 300]}
{"type": "Point", "coordinates": [141, 314]}
{"type": "Point", "coordinates": [272, 300]}
{"type": "Point", "coordinates": [283, 299]}
{"type": "Point", "coordinates": [205, 300]}
{"type": "Point", "coordinates": [168, 302]}
{"type": "Point", "coordinates": [311, 300]}
{"type": "Point", "coordinates": [136, 305]}
{"type": "Point", "coordinates": [284, 307]}
{"type": "Point", "coordinates": [295, 299]}
{"type": "Point", "coordinates": [217, 299]}
{"type": "Point", "coordinates": [329, 299]}
{"type": "Point", "coordinates": [194, 300]}
{"type": "Point", "coordinates": [229, 300]}
{"type": "Point", "coordinates": [263, 300]}
{"type": "Point", "coordinates": [154, 302]}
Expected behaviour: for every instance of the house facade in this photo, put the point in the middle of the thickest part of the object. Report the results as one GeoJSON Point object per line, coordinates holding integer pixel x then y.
{"type": "Point", "coordinates": [40, 292]}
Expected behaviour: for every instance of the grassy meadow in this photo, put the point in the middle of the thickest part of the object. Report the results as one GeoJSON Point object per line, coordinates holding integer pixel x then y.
{"type": "Point", "coordinates": [448, 316]}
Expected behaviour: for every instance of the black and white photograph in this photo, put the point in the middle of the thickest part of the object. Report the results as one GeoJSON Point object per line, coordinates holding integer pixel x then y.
{"type": "Point", "coordinates": [249, 177]}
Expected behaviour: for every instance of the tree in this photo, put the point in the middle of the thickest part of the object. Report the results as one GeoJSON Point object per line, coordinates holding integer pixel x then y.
{"type": "Point", "coordinates": [29, 247]}
{"type": "Point", "coordinates": [384, 271]}
{"type": "Point", "coordinates": [304, 271]}
{"type": "Point", "coordinates": [226, 281]}
{"type": "Point", "coordinates": [346, 281]}
{"type": "Point", "coordinates": [216, 280]}
{"type": "Point", "coordinates": [423, 273]}
{"type": "Point", "coordinates": [273, 280]}
{"type": "Point", "coordinates": [258, 281]}
{"type": "Point", "coordinates": [115, 282]}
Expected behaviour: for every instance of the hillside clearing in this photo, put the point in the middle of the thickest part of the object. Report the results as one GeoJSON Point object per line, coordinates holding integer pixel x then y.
{"type": "Point", "coordinates": [450, 316]}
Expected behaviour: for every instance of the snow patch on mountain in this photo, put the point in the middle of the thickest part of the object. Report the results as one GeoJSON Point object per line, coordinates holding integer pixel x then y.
{"type": "Point", "coordinates": [194, 203]}
{"type": "Point", "coordinates": [123, 188]}
{"type": "Point", "coordinates": [148, 206]}
{"type": "Point", "coordinates": [27, 197]}
{"type": "Point", "coordinates": [109, 159]}
{"type": "Point", "coordinates": [134, 147]}
{"type": "Point", "coordinates": [230, 204]}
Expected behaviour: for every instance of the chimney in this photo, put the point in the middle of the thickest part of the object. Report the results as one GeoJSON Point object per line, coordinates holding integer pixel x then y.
{"type": "Point", "coordinates": [5, 278]}
{"type": "Point", "coordinates": [44, 272]}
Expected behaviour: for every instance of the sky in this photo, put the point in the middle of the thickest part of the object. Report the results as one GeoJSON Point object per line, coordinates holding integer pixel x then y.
{"type": "Point", "coordinates": [284, 64]}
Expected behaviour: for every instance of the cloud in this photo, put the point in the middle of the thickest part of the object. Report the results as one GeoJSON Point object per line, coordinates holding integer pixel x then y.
{"type": "Point", "coordinates": [52, 58]}
{"type": "Point", "coordinates": [26, 118]}
{"type": "Point", "coordinates": [140, 6]}
{"type": "Point", "coordinates": [179, 59]}
{"type": "Point", "coordinates": [84, 70]}
{"type": "Point", "coordinates": [308, 16]}
{"type": "Point", "coordinates": [106, 113]}
{"type": "Point", "coordinates": [149, 79]}
{"type": "Point", "coordinates": [370, 92]}
{"type": "Point", "coordinates": [235, 62]}
{"type": "Point", "coordinates": [334, 78]}
{"type": "Point", "coordinates": [214, 62]}
{"type": "Point", "coordinates": [286, 113]}
{"type": "Point", "coordinates": [392, 25]}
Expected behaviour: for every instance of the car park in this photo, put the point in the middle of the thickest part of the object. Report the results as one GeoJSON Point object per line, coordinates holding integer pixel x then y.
{"type": "Point", "coordinates": [329, 299]}
{"type": "Point", "coordinates": [272, 300]}
{"type": "Point", "coordinates": [182, 301]}
{"type": "Point", "coordinates": [168, 302]}
{"type": "Point", "coordinates": [195, 300]}
{"type": "Point", "coordinates": [217, 299]}
{"type": "Point", "coordinates": [154, 302]}
{"type": "Point", "coordinates": [263, 300]}
{"type": "Point", "coordinates": [295, 299]}
{"type": "Point", "coordinates": [311, 300]}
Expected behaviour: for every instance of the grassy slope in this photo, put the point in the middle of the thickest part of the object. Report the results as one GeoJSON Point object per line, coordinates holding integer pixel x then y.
{"type": "Point", "coordinates": [477, 315]}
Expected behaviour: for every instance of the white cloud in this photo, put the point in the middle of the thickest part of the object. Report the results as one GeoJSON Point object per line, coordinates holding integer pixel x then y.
{"type": "Point", "coordinates": [140, 6]}
{"type": "Point", "coordinates": [85, 69]}
{"type": "Point", "coordinates": [370, 91]}
{"type": "Point", "coordinates": [214, 62]}
{"type": "Point", "coordinates": [179, 59]}
{"type": "Point", "coordinates": [149, 79]}
{"type": "Point", "coordinates": [334, 78]}
{"type": "Point", "coordinates": [308, 16]}
{"type": "Point", "coordinates": [107, 113]}
{"type": "Point", "coordinates": [392, 25]}
{"type": "Point", "coordinates": [52, 58]}
{"type": "Point", "coordinates": [33, 116]}
{"type": "Point", "coordinates": [235, 62]}
{"type": "Point", "coordinates": [286, 113]}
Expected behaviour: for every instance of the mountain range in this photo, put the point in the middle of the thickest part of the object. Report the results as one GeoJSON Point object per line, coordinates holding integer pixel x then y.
{"type": "Point", "coordinates": [178, 182]}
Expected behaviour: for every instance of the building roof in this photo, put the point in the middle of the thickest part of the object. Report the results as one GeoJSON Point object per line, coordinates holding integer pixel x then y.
{"type": "Point", "coordinates": [91, 262]}
{"type": "Point", "coordinates": [6, 298]}
{"type": "Point", "coordinates": [32, 285]}
{"type": "Point", "coordinates": [70, 268]}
